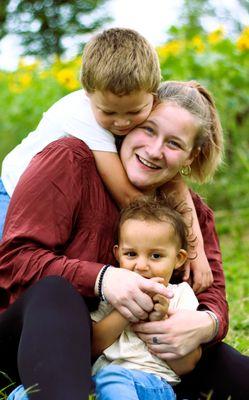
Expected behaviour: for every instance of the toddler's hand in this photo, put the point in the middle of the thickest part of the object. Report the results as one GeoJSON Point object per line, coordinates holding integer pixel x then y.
{"type": "Point", "coordinates": [160, 310]}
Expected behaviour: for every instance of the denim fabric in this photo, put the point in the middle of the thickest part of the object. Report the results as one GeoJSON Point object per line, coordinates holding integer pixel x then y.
{"type": "Point", "coordinates": [4, 202]}
{"type": "Point", "coordinates": [18, 394]}
{"type": "Point", "coordinates": [115, 382]}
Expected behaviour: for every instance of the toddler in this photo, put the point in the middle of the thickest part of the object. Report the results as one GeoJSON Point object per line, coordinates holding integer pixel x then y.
{"type": "Point", "coordinates": [153, 242]}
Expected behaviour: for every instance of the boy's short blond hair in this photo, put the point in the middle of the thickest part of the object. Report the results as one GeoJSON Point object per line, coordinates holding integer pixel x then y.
{"type": "Point", "coordinates": [121, 61]}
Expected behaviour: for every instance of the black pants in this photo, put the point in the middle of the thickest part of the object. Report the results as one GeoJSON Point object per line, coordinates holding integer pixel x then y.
{"type": "Point", "coordinates": [222, 371]}
{"type": "Point", "coordinates": [46, 335]}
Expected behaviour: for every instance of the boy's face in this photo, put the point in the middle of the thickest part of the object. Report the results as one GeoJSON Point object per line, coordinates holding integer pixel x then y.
{"type": "Point", "coordinates": [120, 114]}
{"type": "Point", "coordinates": [149, 248]}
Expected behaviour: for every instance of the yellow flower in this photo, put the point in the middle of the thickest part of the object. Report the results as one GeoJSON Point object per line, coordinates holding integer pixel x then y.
{"type": "Point", "coordinates": [19, 82]}
{"type": "Point", "coordinates": [243, 40]}
{"type": "Point", "coordinates": [216, 36]}
{"type": "Point", "coordinates": [173, 48]}
{"type": "Point", "coordinates": [24, 80]}
{"type": "Point", "coordinates": [66, 77]}
{"type": "Point", "coordinates": [198, 44]}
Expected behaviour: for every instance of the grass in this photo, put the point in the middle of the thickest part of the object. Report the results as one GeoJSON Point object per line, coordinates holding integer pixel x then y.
{"type": "Point", "coordinates": [233, 230]}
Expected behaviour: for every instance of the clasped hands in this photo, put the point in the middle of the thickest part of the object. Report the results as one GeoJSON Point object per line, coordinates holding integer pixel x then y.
{"type": "Point", "coordinates": [161, 305]}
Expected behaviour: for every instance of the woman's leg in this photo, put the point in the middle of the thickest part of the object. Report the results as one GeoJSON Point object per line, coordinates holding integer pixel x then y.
{"type": "Point", "coordinates": [49, 330]}
{"type": "Point", "coordinates": [222, 370]}
{"type": "Point", "coordinates": [4, 203]}
{"type": "Point", "coordinates": [115, 382]}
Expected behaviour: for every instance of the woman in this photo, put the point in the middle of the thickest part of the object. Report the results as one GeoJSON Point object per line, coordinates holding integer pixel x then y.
{"type": "Point", "coordinates": [56, 221]}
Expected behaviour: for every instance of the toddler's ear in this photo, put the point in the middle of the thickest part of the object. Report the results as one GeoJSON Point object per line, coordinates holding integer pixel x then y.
{"type": "Point", "coordinates": [115, 252]}
{"type": "Point", "coordinates": [181, 258]}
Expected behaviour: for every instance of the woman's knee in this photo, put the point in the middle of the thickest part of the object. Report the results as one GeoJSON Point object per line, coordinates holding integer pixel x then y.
{"type": "Point", "coordinates": [54, 294]}
{"type": "Point", "coordinates": [53, 287]}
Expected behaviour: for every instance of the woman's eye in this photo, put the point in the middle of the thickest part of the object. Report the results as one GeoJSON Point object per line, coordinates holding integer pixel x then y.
{"type": "Point", "coordinates": [174, 144]}
{"type": "Point", "coordinates": [155, 256]}
{"type": "Point", "coordinates": [148, 130]}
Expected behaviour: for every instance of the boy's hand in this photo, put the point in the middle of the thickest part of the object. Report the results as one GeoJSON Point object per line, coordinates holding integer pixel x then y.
{"type": "Point", "coordinates": [202, 276]}
{"type": "Point", "coordinates": [160, 310]}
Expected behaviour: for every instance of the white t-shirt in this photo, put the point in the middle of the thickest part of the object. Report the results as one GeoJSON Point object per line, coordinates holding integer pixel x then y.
{"type": "Point", "coordinates": [70, 116]}
{"type": "Point", "coordinates": [131, 352]}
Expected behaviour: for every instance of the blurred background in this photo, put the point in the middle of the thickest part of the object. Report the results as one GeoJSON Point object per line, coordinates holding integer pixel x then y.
{"type": "Point", "coordinates": [40, 56]}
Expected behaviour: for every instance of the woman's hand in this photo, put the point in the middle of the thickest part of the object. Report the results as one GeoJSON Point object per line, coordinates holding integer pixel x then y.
{"type": "Point", "coordinates": [131, 294]}
{"type": "Point", "coordinates": [178, 335]}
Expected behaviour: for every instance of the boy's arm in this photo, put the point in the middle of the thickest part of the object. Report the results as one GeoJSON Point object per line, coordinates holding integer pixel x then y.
{"type": "Point", "coordinates": [114, 176]}
{"type": "Point", "coordinates": [202, 274]}
{"type": "Point", "coordinates": [106, 331]}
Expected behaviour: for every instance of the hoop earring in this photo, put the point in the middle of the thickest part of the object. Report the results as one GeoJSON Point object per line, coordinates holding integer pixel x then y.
{"type": "Point", "coordinates": [185, 170]}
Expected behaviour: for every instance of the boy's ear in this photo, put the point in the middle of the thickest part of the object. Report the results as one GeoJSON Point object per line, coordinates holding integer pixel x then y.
{"type": "Point", "coordinates": [181, 258]}
{"type": "Point", "coordinates": [155, 101]}
{"type": "Point", "coordinates": [115, 252]}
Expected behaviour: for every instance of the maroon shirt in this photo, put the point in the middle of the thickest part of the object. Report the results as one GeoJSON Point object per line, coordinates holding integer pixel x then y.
{"type": "Point", "coordinates": [61, 221]}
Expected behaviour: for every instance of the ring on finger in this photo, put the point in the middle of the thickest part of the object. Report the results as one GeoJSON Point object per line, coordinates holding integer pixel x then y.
{"type": "Point", "coordinates": [155, 340]}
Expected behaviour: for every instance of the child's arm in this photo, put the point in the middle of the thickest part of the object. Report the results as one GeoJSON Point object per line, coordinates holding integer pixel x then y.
{"type": "Point", "coordinates": [202, 274]}
{"type": "Point", "coordinates": [114, 176]}
{"type": "Point", "coordinates": [106, 331]}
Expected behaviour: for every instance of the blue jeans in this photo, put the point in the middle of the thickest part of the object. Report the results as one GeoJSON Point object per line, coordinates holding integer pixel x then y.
{"type": "Point", "coordinates": [115, 382]}
{"type": "Point", "coordinates": [4, 203]}
{"type": "Point", "coordinates": [18, 394]}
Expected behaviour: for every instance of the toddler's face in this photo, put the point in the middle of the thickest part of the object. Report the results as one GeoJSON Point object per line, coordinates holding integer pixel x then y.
{"type": "Point", "coordinates": [120, 114]}
{"type": "Point", "coordinates": [149, 248]}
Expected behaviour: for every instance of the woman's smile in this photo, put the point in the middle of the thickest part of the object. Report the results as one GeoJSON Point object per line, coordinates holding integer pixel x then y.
{"type": "Point", "coordinates": [146, 163]}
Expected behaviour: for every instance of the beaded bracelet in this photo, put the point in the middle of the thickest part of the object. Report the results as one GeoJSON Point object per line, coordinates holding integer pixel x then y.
{"type": "Point", "coordinates": [100, 283]}
{"type": "Point", "coordinates": [215, 320]}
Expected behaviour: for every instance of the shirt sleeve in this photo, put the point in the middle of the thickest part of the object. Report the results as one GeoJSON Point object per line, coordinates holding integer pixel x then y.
{"type": "Point", "coordinates": [184, 297]}
{"type": "Point", "coordinates": [76, 119]}
{"type": "Point", "coordinates": [103, 310]}
{"type": "Point", "coordinates": [213, 298]}
{"type": "Point", "coordinates": [41, 218]}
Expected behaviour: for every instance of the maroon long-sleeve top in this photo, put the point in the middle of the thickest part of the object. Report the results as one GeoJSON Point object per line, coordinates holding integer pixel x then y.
{"type": "Point", "coordinates": [62, 221]}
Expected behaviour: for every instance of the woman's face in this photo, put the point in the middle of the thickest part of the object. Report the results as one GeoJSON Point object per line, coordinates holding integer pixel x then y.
{"type": "Point", "coordinates": [154, 152]}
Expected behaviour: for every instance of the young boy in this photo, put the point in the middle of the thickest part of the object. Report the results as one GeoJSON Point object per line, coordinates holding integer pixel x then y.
{"type": "Point", "coordinates": [120, 75]}
{"type": "Point", "coordinates": [153, 242]}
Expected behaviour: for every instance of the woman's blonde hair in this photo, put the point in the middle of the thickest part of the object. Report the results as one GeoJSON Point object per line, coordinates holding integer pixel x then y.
{"type": "Point", "coordinates": [209, 139]}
